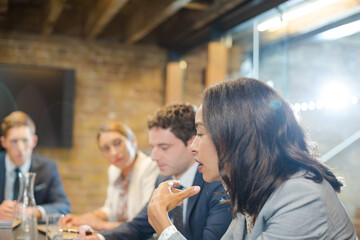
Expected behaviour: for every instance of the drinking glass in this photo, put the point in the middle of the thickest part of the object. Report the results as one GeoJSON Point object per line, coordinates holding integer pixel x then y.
{"type": "Point", "coordinates": [25, 208]}
{"type": "Point", "coordinates": [54, 226]}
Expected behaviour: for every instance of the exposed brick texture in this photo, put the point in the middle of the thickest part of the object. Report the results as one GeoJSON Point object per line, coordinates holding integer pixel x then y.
{"type": "Point", "coordinates": [112, 81]}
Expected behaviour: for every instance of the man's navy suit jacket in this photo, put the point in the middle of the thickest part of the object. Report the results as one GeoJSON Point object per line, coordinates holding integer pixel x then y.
{"type": "Point", "coordinates": [48, 189]}
{"type": "Point", "coordinates": [207, 217]}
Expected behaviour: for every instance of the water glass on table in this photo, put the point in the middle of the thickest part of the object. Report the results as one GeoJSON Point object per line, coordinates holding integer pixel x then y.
{"type": "Point", "coordinates": [54, 226]}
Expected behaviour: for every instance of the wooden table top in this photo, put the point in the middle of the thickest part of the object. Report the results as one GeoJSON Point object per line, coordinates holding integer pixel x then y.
{"type": "Point", "coordinates": [9, 233]}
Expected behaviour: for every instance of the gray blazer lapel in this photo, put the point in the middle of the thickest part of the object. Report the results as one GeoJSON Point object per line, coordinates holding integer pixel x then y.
{"type": "Point", "coordinates": [237, 229]}
{"type": "Point", "coordinates": [257, 229]}
{"type": "Point", "coordinates": [242, 229]}
{"type": "Point", "coordinates": [34, 167]}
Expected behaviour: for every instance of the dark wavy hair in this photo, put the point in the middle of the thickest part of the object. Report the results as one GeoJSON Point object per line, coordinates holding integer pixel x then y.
{"type": "Point", "coordinates": [259, 142]}
{"type": "Point", "coordinates": [179, 117]}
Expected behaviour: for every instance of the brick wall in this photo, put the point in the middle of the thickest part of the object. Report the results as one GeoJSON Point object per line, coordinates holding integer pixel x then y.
{"type": "Point", "coordinates": [126, 82]}
{"type": "Point", "coordinates": [195, 73]}
{"type": "Point", "coordinates": [112, 80]}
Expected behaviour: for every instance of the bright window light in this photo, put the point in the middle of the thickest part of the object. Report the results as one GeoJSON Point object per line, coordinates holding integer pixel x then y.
{"type": "Point", "coordinates": [271, 23]}
{"type": "Point", "coordinates": [319, 105]}
{"type": "Point", "coordinates": [270, 83]}
{"type": "Point", "coordinates": [335, 96]}
{"type": "Point", "coordinates": [354, 100]}
{"type": "Point", "coordinates": [312, 105]}
{"type": "Point", "coordinates": [279, 26]}
{"type": "Point", "coordinates": [183, 64]}
{"type": "Point", "coordinates": [297, 107]}
{"type": "Point", "coordinates": [342, 31]}
{"type": "Point", "coordinates": [306, 9]}
{"type": "Point", "coordinates": [278, 22]}
{"type": "Point", "coordinates": [304, 106]}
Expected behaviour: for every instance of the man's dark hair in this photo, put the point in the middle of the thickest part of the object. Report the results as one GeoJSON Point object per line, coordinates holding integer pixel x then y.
{"type": "Point", "coordinates": [179, 117]}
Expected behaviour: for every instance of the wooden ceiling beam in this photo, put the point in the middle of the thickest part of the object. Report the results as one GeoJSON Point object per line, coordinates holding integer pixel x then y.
{"type": "Point", "coordinates": [197, 6]}
{"type": "Point", "coordinates": [53, 9]}
{"type": "Point", "coordinates": [100, 15]}
{"type": "Point", "coordinates": [214, 12]}
{"type": "Point", "coordinates": [148, 16]}
{"type": "Point", "coordinates": [4, 6]}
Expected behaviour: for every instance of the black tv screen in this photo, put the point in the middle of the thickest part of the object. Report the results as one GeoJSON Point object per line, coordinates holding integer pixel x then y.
{"type": "Point", "coordinates": [46, 95]}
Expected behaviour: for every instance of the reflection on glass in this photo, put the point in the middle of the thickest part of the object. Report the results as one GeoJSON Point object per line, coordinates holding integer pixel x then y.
{"type": "Point", "coordinates": [309, 51]}
{"type": "Point", "coordinates": [25, 209]}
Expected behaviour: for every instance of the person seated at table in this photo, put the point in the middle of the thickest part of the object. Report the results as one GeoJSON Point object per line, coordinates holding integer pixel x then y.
{"type": "Point", "coordinates": [19, 140]}
{"type": "Point", "coordinates": [131, 177]}
{"type": "Point", "coordinates": [204, 216]}
{"type": "Point", "coordinates": [248, 137]}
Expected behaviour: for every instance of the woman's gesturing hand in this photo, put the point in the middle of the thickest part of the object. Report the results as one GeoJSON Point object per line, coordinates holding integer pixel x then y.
{"type": "Point", "coordinates": [164, 199]}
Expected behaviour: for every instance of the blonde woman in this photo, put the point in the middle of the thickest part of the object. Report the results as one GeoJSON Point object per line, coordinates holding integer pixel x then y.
{"type": "Point", "coordinates": [131, 175]}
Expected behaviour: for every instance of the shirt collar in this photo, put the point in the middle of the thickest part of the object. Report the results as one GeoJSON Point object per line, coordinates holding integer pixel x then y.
{"type": "Point", "coordinates": [187, 179]}
{"type": "Point", "coordinates": [10, 166]}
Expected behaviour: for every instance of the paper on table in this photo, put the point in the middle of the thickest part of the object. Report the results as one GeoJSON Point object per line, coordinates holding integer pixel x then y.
{"type": "Point", "coordinates": [67, 233]}
{"type": "Point", "coordinates": [5, 224]}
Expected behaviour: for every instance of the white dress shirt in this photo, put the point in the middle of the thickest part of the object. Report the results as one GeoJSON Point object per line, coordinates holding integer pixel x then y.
{"type": "Point", "coordinates": [141, 186]}
{"type": "Point", "coordinates": [11, 175]}
{"type": "Point", "coordinates": [10, 181]}
{"type": "Point", "coordinates": [187, 180]}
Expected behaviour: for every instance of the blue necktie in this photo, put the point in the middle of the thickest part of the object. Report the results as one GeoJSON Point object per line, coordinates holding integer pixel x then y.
{"type": "Point", "coordinates": [16, 184]}
{"type": "Point", "coordinates": [177, 216]}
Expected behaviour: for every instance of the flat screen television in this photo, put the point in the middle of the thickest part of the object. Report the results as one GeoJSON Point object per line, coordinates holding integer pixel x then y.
{"type": "Point", "coordinates": [46, 95]}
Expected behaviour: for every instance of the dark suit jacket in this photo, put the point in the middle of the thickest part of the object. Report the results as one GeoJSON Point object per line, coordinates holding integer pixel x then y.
{"type": "Point", "coordinates": [206, 216]}
{"type": "Point", "coordinates": [48, 189]}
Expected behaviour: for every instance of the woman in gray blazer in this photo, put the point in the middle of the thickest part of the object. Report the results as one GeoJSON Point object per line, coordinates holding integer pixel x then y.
{"type": "Point", "coordinates": [249, 137]}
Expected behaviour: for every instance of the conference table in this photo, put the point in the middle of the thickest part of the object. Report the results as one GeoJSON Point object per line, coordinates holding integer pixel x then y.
{"type": "Point", "coordinates": [10, 233]}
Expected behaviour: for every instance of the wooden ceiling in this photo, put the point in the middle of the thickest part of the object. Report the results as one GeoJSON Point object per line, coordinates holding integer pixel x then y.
{"type": "Point", "coordinates": [177, 25]}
